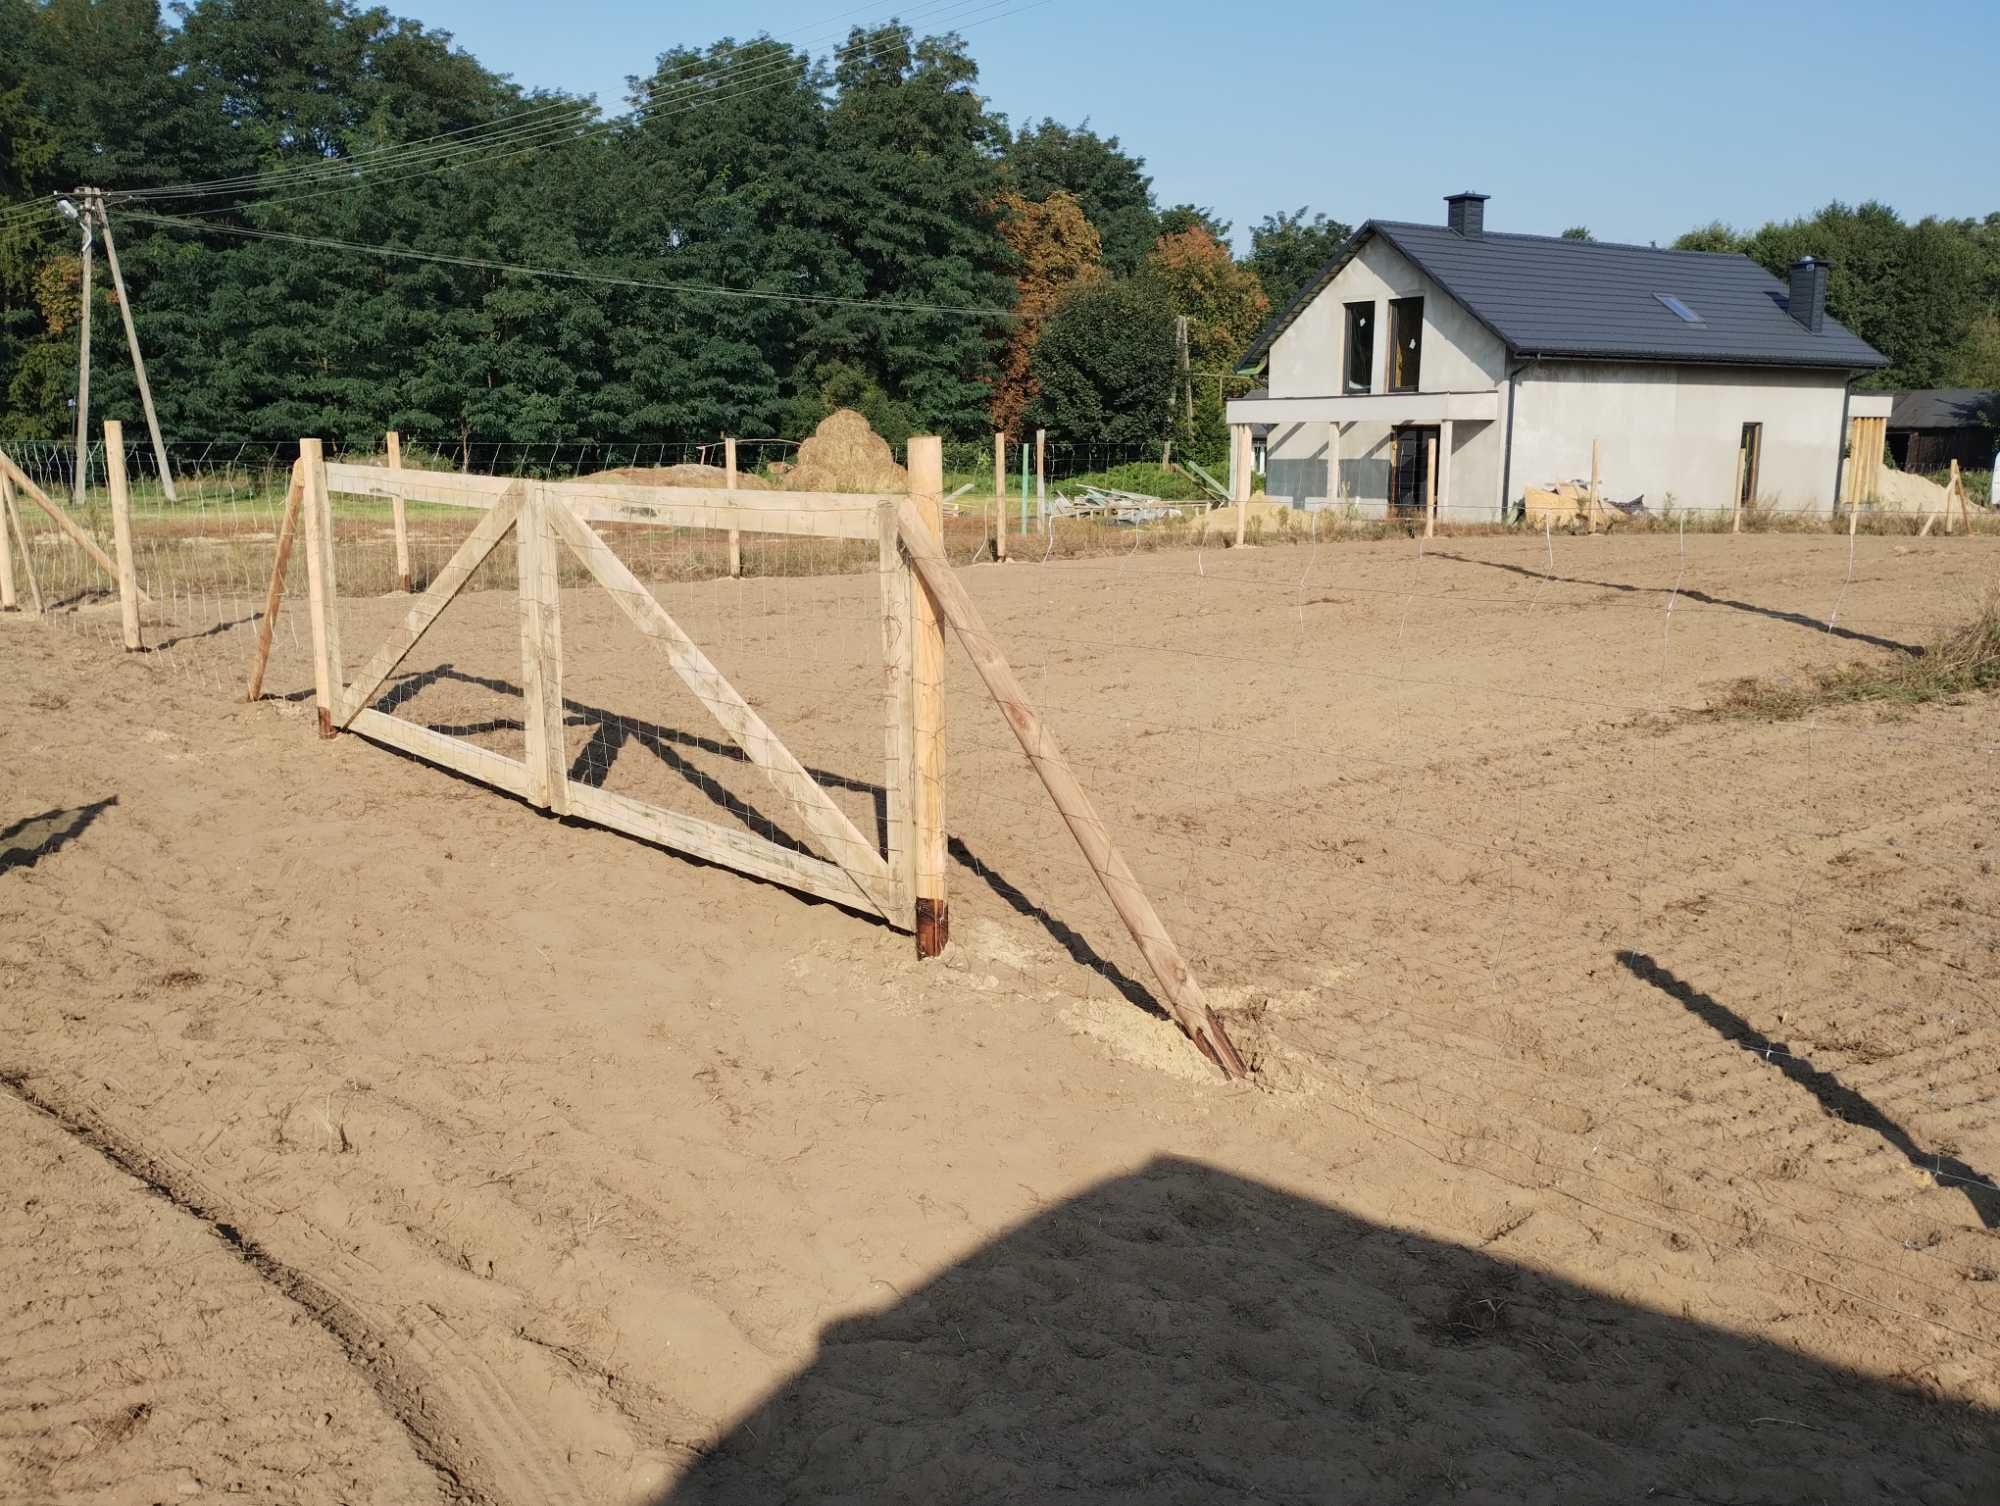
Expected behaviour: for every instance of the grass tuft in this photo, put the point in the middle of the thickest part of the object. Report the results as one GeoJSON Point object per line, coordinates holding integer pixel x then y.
{"type": "Point", "coordinates": [1958, 661]}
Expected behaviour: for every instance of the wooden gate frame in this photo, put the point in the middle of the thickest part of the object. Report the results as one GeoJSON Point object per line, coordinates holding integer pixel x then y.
{"type": "Point", "coordinates": [904, 886]}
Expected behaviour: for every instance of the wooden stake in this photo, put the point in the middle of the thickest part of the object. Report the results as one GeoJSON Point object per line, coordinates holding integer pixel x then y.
{"type": "Point", "coordinates": [1185, 1000]}
{"type": "Point", "coordinates": [321, 585]}
{"type": "Point", "coordinates": [1042, 471]}
{"type": "Point", "coordinates": [1595, 473]}
{"type": "Point", "coordinates": [1736, 505]}
{"type": "Point", "coordinates": [121, 532]}
{"type": "Point", "coordinates": [138, 360]}
{"type": "Point", "coordinates": [1430, 488]}
{"type": "Point", "coordinates": [729, 484]}
{"type": "Point", "coordinates": [62, 520]}
{"type": "Point", "coordinates": [1000, 496]}
{"type": "Point", "coordinates": [1953, 488]}
{"type": "Point", "coordinates": [539, 554]}
{"type": "Point", "coordinates": [274, 595]}
{"type": "Point", "coordinates": [8, 603]}
{"type": "Point", "coordinates": [899, 720]}
{"type": "Point", "coordinates": [399, 514]}
{"type": "Point", "coordinates": [12, 510]}
{"type": "Point", "coordinates": [81, 480]}
{"type": "Point", "coordinates": [926, 505]}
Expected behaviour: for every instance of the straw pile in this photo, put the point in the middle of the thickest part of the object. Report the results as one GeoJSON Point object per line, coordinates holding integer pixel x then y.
{"type": "Point", "coordinates": [681, 475]}
{"type": "Point", "coordinates": [846, 455]}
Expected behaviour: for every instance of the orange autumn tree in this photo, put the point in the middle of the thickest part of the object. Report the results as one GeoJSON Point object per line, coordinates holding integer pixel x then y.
{"type": "Point", "coordinates": [1056, 250]}
{"type": "Point", "coordinates": [1225, 306]}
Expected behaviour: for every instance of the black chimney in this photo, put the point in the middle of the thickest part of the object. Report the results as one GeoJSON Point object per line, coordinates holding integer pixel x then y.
{"type": "Point", "coordinates": [1808, 300]}
{"type": "Point", "coordinates": [1466, 213]}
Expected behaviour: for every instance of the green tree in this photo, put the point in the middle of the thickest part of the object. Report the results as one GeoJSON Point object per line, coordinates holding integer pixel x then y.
{"type": "Point", "coordinates": [1287, 250]}
{"type": "Point", "coordinates": [1104, 367]}
{"type": "Point", "coordinates": [1578, 233]}
{"type": "Point", "coordinates": [1224, 305]}
{"type": "Point", "coordinates": [1054, 248]}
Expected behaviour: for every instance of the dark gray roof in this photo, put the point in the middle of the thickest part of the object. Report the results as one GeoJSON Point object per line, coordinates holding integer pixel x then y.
{"type": "Point", "coordinates": [1946, 408]}
{"type": "Point", "coordinates": [1549, 297]}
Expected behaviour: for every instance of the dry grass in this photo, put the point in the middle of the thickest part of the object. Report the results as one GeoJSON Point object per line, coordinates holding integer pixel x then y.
{"type": "Point", "coordinates": [1958, 661]}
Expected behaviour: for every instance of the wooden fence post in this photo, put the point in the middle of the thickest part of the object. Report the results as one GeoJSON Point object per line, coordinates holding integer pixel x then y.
{"type": "Point", "coordinates": [322, 586]}
{"type": "Point", "coordinates": [1000, 496]}
{"type": "Point", "coordinates": [1042, 471]}
{"type": "Point", "coordinates": [539, 556]}
{"type": "Point", "coordinates": [729, 482]}
{"type": "Point", "coordinates": [8, 602]}
{"type": "Point", "coordinates": [11, 512]}
{"type": "Point", "coordinates": [1736, 497]}
{"type": "Point", "coordinates": [121, 532]}
{"type": "Point", "coordinates": [933, 912]}
{"type": "Point", "coordinates": [899, 714]}
{"type": "Point", "coordinates": [1431, 488]}
{"type": "Point", "coordinates": [398, 512]}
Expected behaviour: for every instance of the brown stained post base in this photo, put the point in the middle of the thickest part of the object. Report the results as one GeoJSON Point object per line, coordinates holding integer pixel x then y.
{"type": "Point", "coordinates": [1185, 999]}
{"type": "Point", "coordinates": [933, 926]}
{"type": "Point", "coordinates": [274, 595]}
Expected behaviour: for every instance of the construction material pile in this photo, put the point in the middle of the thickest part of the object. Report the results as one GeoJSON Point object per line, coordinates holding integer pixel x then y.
{"type": "Point", "coordinates": [844, 455]}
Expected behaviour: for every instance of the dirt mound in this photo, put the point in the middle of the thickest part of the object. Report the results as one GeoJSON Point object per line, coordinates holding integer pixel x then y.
{"type": "Point", "coordinates": [1901, 491]}
{"type": "Point", "coordinates": [846, 455]}
{"type": "Point", "coordinates": [680, 475]}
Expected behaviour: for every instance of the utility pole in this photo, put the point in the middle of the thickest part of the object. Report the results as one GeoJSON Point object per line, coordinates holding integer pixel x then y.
{"type": "Point", "coordinates": [1187, 377]}
{"type": "Point", "coordinates": [96, 197]}
{"type": "Point", "coordinates": [79, 482]}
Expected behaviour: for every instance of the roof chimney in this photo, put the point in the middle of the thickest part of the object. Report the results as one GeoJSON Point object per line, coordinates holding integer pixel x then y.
{"type": "Point", "coordinates": [1808, 298]}
{"type": "Point", "coordinates": [1466, 213]}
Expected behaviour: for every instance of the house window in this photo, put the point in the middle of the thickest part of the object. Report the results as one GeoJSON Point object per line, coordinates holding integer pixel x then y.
{"type": "Point", "coordinates": [1752, 452]}
{"type": "Point", "coordinates": [1360, 347]}
{"type": "Point", "coordinates": [1406, 329]}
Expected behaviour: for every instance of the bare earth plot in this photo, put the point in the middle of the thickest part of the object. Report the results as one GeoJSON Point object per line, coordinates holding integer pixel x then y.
{"type": "Point", "coordinates": [1628, 1080]}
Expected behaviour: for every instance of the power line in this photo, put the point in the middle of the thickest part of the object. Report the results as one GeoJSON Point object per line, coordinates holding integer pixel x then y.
{"type": "Point", "coordinates": [568, 274]}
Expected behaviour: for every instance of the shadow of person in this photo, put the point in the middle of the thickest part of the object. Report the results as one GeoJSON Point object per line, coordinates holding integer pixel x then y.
{"type": "Point", "coordinates": [33, 838]}
{"type": "Point", "coordinates": [1185, 1335]}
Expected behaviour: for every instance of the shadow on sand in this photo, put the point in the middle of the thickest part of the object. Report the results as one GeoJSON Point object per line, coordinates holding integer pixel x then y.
{"type": "Point", "coordinates": [1184, 1335]}
{"type": "Point", "coordinates": [33, 838]}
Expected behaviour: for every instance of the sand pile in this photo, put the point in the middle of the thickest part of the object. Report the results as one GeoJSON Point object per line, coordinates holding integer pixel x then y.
{"type": "Point", "coordinates": [846, 455]}
{"type": "Point", "coordinates": [680, 475]}
{"type": "Point", "coordinates": [1900, 491]}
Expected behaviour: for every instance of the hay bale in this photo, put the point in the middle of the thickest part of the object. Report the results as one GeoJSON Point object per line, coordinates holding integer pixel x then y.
{"type": "Point", "coordinates": [846, 455]}
{"type": "Point", "coordinates": [680, 475]}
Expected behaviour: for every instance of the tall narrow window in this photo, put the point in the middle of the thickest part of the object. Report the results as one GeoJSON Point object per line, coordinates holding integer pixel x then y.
{"type": "Point", "coordinates": [1406, 330]}
{"type": "Point", "coordinates": [1360, 347]}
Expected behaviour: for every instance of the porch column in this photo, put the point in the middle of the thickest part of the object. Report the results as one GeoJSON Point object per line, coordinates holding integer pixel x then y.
{"type": "Point", "coordinates": [1333, 463]}
{"type": "Point", "coordinates": [1444, 468]}
{"type": "Point", "coordinates": [1239, 462]}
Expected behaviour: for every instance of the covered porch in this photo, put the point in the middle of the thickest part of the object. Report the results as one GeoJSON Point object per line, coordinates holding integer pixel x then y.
{"type": "Point", "coordinates": [1376, 453]}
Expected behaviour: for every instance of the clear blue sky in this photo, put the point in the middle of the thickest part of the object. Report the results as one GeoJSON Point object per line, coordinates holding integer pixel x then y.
{"type": "Point", "coordinates": [1637, 121]}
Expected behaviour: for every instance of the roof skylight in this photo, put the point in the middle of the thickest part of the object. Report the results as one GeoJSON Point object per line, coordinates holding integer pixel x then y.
{"type": "Point", "coordinates": [1679, 310]}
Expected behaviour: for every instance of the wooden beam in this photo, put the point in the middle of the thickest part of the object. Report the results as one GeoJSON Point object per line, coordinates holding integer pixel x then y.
{"type": "Point", "coordinates": [933, 901]}
{"type": "Point", "coordinates": [274, 594]}
{"type": "Point", "coordinates": [826, 821]}
{"type": "Point", "coordinates": [8, 601]}
{"type": "Point", "coordinates": [400, 516]}
{"type": "Point", "coordinates": [743, 851]}
{"type": "Point", "coordinates": [899, 714]}
{"type": "Point", "coordinates": [1595, 474]}
{"type": "Point", "coordinates": [444, 488]}
{"type": "Point", "coordinates": [138, 360]}
{"type": "Point", "coordinates": [1185, 1000]}
{"type": "Point", "coordinates": [453, 753]}
{"type": "Point", "coordinates": [121, 533]}
{"type": "Point", "coordinates": [25, 483]}
{"type": "Point", "coordinates": [424, 611]}
{"type": "Point", "coordinates": [1736, 501]}
{"type": "Point", "coordinates": [12, 511]}
{"type": "Point", "coordinates": [729, 484]}
{"type": "Point", "coordinates": [540, 611]}
{"type": "Point", "coordinates": [1444, 448]}
{"type": "Point", "coordinates": [320, 584]}
{"type": "Point", "coordinates": [1042, 471]}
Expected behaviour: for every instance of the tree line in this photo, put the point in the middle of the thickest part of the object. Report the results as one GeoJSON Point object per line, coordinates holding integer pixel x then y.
{"type": "Point", "coordinates": [766, 235]}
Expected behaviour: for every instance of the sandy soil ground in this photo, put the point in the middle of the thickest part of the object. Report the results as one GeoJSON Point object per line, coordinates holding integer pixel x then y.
{"type": "Point", "coordinates": [1626, 1078]}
